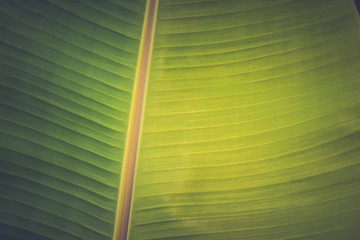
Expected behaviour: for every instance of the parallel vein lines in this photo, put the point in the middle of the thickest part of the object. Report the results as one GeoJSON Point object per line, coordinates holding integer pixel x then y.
{"type": "Point", "coordinates": [65, 97]}
{"type": "Point", "coordinates": [251, 125]}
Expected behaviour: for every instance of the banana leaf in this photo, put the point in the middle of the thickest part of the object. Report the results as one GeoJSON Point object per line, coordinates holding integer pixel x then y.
{"type": "Point", "coordinates": [249, 129]}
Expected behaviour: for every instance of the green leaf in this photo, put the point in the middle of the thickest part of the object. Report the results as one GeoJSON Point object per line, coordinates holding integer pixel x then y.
{"type": "Point", "coordinates": [250, 128]}
{"type": "Point", "coordinates": [67, 72]}
{"type": "Point", "coordinates": [251, 125]}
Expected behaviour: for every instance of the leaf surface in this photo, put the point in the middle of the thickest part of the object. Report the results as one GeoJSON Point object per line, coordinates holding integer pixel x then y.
{"type": "Point", "coordinates": [251, 124]}
{"type": "Point", "coordinates": [250, 127]}
{"type": "Point", "coordinates": [67, 72]}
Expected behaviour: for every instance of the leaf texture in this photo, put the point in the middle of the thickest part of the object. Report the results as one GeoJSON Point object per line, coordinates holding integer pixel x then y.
{"type": "Point", "coordinates": [251, 123]}
{"type": "Point", "coordinates": [67, 72]}
{"type": "Point", "coordinates": [251, 127]}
